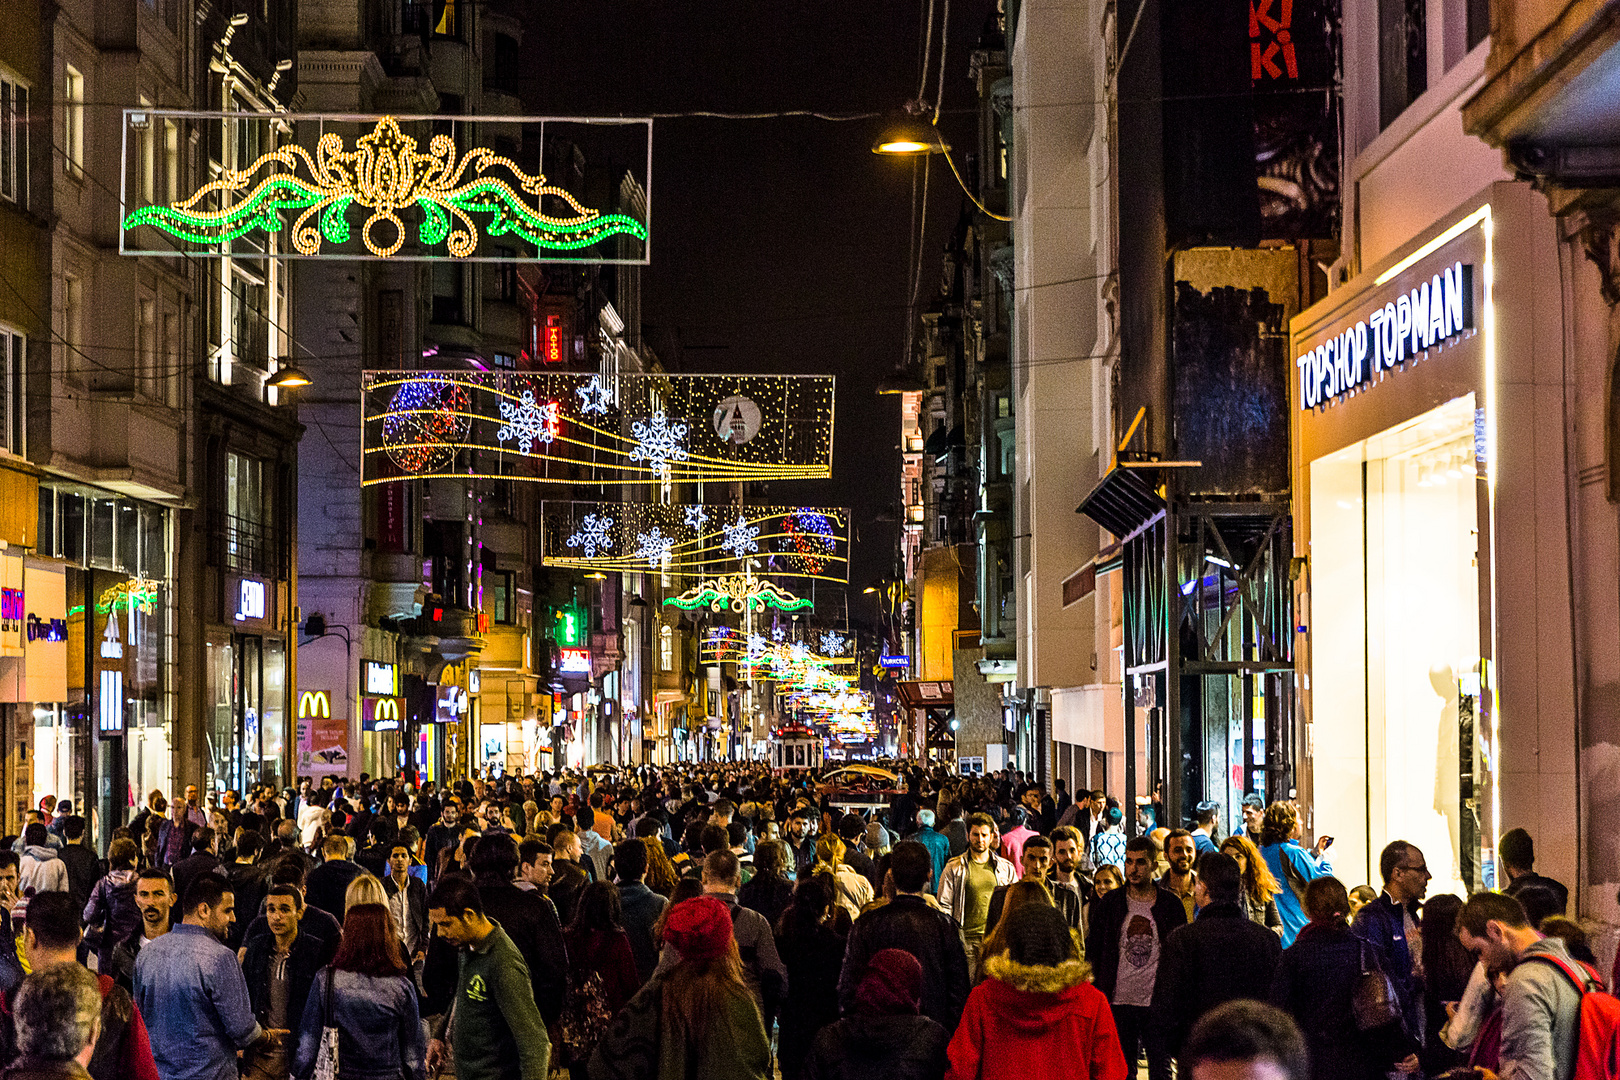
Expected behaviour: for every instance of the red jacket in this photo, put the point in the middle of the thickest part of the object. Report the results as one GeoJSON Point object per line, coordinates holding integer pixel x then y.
{"type": "Point", "coordinates": [1036, 1023]}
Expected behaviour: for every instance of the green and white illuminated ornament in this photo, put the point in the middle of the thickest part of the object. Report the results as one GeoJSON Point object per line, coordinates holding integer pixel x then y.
{"type": "Point", "coordinates": [740, 593]}
{"type": "Point", "coordinates": [376, 195]}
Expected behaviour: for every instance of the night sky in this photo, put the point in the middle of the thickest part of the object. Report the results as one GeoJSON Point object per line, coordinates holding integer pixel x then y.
{"type": "Point", "coordinates": [779, 245]}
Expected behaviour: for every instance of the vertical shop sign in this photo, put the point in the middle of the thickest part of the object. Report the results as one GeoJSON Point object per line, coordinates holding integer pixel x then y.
{"type": "Point", "coordinates": [13, 612]}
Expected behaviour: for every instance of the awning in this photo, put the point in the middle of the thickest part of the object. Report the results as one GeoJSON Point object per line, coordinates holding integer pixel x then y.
{"type": "Point", "coordinates": [927, 695]}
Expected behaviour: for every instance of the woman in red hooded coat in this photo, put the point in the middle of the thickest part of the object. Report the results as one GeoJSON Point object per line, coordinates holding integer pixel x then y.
{"type": "Point", "coordinates": [1036, 1015]}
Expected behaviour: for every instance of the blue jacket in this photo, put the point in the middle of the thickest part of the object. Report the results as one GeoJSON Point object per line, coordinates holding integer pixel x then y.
{"type": "Point", "coordinates": [640, 907]}
{"type": "Point", "coordinates": [939, 847]}
{"type": "Point", "coordinates": [379, 1027]}
{"type": "Point", "coordinates": [1302, 868]}
{"type": "Point", "coordinates": [1382, 926]}
{"type": "Point", "coordinates": [191, 986]}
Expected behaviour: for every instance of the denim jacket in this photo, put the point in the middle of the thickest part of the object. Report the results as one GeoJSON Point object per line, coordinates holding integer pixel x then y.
{"type": "Point", "coordinates": [379, 1028]}
{"type": "Point", "coordinates": [192, 987]}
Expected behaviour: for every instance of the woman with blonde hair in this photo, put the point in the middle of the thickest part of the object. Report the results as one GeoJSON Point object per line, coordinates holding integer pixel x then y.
{"type": "Point", "coordinates": [854, 890]}
{"type": "Point", "coordinates": [662, 877]}
{"type": "Point", "coordinates": [364, 889]}
{"type": "Point", "coordinates": [1260, 889]}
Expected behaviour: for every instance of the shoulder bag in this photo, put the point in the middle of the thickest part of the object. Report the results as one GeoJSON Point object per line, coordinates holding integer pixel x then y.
{"type": "Point", "coordinates": [1372, 998]}
{"type": "Point", "coordinates": [326, 1059]}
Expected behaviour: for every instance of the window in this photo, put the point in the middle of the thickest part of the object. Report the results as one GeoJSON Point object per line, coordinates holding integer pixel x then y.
{"type": "Point", "coordinates": [146, 343]}
{"type": "Point", "coordinates": [1403, 56]}
{"type": "Point", "coordinates": [171, 359]}
{"type": "Point", "coordinates": [72, 316]}
{"type": "Point", "coordinates": [666, 648]}
{"type": "Point", "coordinates": [503, 361]}
{"type": "Point", "coordinates": [449, 294]}
{"type": "Point", "coordinates": [171, 161]}
{"type": "Point", "coordinates": [505, 274]}
{"type": "Point", "coordinates": [13, 364]}
{"type": "Point", "coordinates": [73, 121]}
{"type": "Point", "coordinates": [147, 135]}
{"type": "Point", "coordinates": [249, 516]}
{"type": "Point", "coordinates": [498, 588]}
{"type": "Point", "coordinates": [13, 140]}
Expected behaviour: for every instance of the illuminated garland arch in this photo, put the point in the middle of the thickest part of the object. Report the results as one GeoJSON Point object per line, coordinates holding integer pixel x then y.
{"type": "Point", "coordinates": [385, 173]}
{"type": "Point", "coordinates": [739, 593]}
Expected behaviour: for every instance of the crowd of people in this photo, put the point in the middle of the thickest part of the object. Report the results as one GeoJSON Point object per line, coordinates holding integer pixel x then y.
{"type": "Point", "coordinates": [724, 922]}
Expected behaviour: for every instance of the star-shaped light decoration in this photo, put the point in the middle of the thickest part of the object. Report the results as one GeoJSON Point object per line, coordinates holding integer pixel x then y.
{"type": "Point", "coordinates": [593, 397]}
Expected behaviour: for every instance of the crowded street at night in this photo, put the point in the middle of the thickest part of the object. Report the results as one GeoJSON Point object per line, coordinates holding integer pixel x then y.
{"type": "Point", "coordinates": [925, 540]}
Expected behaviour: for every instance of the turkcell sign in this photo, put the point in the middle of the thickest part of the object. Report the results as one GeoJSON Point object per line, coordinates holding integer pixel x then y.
{"type": "Point", "coordinates": [1432, 314]}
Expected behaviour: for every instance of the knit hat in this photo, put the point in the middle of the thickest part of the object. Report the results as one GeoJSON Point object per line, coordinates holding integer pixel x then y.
{"type": "Point", "coordinates": [1038, 936]}
{"type": "Point", "coordinates": [700, 928]}
{"type": "Point", "coordinates": [892, 984]}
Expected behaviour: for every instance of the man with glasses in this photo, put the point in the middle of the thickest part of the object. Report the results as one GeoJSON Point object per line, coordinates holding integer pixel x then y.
{"type": "Point", "coordinates": [1389, 926]}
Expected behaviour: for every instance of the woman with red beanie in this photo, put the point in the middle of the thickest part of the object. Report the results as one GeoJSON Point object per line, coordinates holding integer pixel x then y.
{"type": "Point", "coordinates": [884, 1037]}
{"type": "Point", "coordinates": [1036, 1015]}
{"type": "Point", "coordinates": [695, 1020]}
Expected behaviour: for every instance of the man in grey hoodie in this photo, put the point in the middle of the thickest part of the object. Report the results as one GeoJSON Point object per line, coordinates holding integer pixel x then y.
{"type": "Point", "coordinates": [1541, 1007]}
{"type": "Point", "coordinates": [40, 868]}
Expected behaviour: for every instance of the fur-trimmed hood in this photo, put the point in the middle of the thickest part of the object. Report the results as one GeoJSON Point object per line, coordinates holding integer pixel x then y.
{"type": "Point", "coordinates": [1033, 1004]}
{"type": "Point", "coordinates": [1037, 979]}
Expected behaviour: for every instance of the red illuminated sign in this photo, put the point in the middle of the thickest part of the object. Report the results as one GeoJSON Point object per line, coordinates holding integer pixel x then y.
{"type": "Point", "coordinates": [554, 339]}
{"type": "Point", "coordinates": [1263, 53]}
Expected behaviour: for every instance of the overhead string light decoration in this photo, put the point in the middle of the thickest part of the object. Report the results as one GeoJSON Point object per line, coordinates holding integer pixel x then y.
{"type": "Point", "coordinates": [572, 428]}
{"type": "Point", "coordinates": [385, 174]}
{"type": "Point", "coordinates": [707, 540]}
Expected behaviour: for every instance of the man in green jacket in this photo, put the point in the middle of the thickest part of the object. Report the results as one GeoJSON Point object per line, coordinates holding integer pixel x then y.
{"type": "Point", "coordinates": [496, 1028]}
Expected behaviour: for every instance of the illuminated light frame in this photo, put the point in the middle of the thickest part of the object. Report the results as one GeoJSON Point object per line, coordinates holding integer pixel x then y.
{"type": "Point", "coordinates": [1484, 219]}
{"type": "Point", "coordinates": [602, 536]}
{"type": "Point", "coordinates": [417, 424]}
{"type": "Point", "coordinates": [740, 593]}
{"type": "Point", "coordinates": [385, 173]}
{"type": "Point", "coordinates": [1486, 222]}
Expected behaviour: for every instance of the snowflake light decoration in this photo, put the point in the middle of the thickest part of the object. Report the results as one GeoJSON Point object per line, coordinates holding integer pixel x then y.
{"type": "Point", "coordinates": [659, 441]}
{"type": "Point", "coordinates": [696, 518]}
{"type": "Point", "coordinates": [741, 538]}
{"type": "Point", "coordinates": [832, 643]}
{"type": "Point", "coordinates": [655, 547]}
{"type": "Point", "coordinates": [592, 534]}
{"type": "Point", "coordinates": [528, 421]}
{"type": "Point", "coordinates": [593, 397]}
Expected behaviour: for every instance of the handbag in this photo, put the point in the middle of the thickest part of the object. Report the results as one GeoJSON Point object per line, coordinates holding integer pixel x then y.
{"type": "Point", "coordinates": [326, 1059]}
{"type": "Point", "coordinates": [1372, 998]}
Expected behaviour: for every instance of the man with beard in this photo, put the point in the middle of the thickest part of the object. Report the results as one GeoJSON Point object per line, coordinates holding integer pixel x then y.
{"type": "Point", "coordinates": [1129, 927]}
{"type": "Point", "coordinates": [1179, 880]}
{"type": "Point", "coordinates": [154, 898]}
{"type": "Point", "coordinates": [1066, 873]}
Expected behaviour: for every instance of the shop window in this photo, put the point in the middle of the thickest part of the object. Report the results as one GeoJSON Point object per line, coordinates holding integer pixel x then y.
{"type": "Point", "coordinates": [13, 140]}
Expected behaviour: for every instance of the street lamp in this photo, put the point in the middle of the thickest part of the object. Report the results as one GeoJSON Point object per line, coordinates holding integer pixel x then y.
{"type": "Point", "coordinates": [290, 377]}
{"type": "Point", "coordinates": [907, 136]}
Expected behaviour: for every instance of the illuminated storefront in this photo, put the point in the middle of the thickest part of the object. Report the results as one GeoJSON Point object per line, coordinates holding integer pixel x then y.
{"type": "Point", "coordinates": [1417, 476]}
{"type": "Point", "coordinates": [98, 644]}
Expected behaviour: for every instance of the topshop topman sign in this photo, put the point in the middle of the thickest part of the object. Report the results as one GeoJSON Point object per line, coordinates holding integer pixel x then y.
{"type": "Point", "coordinates": [329, 185]}
{"type": "Point", "coordinates": [1433, 313]}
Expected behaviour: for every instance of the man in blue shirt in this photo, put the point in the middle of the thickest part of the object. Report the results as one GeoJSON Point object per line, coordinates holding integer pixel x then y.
{"type": "Point", "coordinates": [193, 982]}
